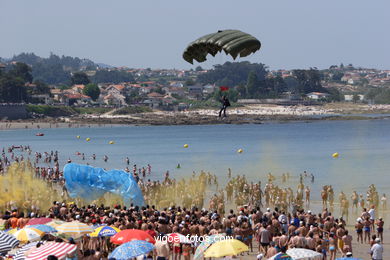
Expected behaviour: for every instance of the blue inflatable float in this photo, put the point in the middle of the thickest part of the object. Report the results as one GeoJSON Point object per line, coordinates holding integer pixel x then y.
{"type": "Point", "coordinates": [90, 183]}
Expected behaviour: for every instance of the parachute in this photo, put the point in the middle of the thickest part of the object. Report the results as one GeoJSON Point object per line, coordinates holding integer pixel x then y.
{"type": "Point", "coordinates": [233, 42]}
{"type": "Point", "coordinates": [92, 183]}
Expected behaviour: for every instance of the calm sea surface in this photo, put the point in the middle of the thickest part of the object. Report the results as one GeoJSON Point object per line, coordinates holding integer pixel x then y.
{"type": "Point", "coordinates": [363, 145]}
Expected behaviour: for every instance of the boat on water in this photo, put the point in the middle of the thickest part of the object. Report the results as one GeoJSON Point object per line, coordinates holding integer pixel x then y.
{"type": "Point", "coordinates": [39, 134]}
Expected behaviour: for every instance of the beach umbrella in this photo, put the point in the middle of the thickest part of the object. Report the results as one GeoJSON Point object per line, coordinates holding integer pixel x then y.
{"type": "Point", "coordinates": [27, 234]}
{"type": "Point", "coordinates": [55, 223]}
{"type": "Point", "coordinates": [74, 229]}
{"type": "Point", "coordinates": [131, 249]}
{"type": "Point", "coordinates": [60, 250]}
{"type": "Point", "coordinates": [128, 235]}
{"type": "Point", "coordinates": [178, 238]}
{"type": "Point", "coordinates": [304, 254]}
{"type": "Point", "coordinates": [104, 231]}
{"type": "Point", "coordinates": [44, 228]}
{"type": "Point", "coordinates": [208, 241]}
{"type": "Point", "coordinates": [281, 256]}
{"type": "Point", "coordinates": [229, 247]}
{"type": "Point", "coordinates": [7, 242]}
{"type": "Point", "coordinates": [11, 230]}
{"type": "Point", "coordinates": [21, 253]}
{"type": "Point", "coordinates": [39, 221]}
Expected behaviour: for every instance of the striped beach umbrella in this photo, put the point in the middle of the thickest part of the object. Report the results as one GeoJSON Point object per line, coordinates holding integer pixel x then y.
{"type": "Point", "coordinates": [55, 223]}
{"type": "Point", "coordinates": [74, 229]}
{"type": "Point", "coordinates": [7, 242]}
{"type": "Point", "coordinates": [302, 253]}
{"type": "Point", "coordinates": [26, 234]}
{"type": "Point", "coordinates": [38, 221]}
{"type": "Point", "coordinates": [44, 228]}
{"type": "Point", "coordinates": [131, 249]}
{"type": "Point", "coordinates": [104, 231]}
{"type": "Point", "coordinates": [21, 253]}
{"type": "Point", "coordinates": [60, 250]}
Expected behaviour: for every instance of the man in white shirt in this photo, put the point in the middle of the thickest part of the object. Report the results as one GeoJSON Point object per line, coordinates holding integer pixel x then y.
{"type": "Point", "coordinates": [377, 250]}
{"type": "Point", "coordinates": [372, 213]}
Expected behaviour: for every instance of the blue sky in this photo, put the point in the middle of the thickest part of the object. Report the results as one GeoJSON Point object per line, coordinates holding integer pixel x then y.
{"type": "Point", "coordinates": [154, 33]}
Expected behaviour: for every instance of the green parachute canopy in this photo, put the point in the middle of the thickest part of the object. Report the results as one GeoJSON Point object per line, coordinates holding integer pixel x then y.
{"type": "Point", "coordinates": [233, 42]}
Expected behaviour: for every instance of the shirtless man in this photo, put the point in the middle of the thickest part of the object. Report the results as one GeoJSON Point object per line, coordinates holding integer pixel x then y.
{"type": "Point", "coordinates": [359, 230]}
{"type": "Point", "coordinates": [307, 192]}
{"type": "Point", "coordinates": [380, 223]}
{"type": "Point", "coordinates": [355, 200]}
{"type": "Point", "coordinates": [347, 241]}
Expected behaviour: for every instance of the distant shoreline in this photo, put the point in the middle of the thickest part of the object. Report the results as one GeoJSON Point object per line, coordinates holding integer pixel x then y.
{"type": "Point", "coordinates": [249, 114]}
{"type": "Point", "coordinates": [161, 120]}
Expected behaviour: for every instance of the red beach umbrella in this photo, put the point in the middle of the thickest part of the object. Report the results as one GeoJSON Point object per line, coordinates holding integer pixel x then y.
{"type": "Point", "coordinates": [39, 221]}
{"type": "Point", "coordinates": [130, 235]}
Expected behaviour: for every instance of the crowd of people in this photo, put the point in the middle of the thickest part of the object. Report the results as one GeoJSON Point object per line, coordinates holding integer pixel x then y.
{"type": "Point", "coordinates": [266, 231]}
{"type": "Point", "coordinates": [268, 219]}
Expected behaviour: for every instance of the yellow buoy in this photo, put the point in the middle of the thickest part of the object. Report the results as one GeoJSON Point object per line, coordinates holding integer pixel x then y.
{"type": "Point", "coordinates": [185, 146]}
{"type": "Point", "coordinates": [78, 137]}
{"type": "Point", "coordinates": [111, 142]}
{"type": "Point", "coordinates": [240, 151]}
{"type": "Point", "coordinates": [87, 139]}
{"type": "Point", "coordinates": [335, 155]}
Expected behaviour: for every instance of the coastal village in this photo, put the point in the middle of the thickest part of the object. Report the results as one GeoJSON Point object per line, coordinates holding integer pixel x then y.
{"type": "Point", "coordinates": [171, 89]}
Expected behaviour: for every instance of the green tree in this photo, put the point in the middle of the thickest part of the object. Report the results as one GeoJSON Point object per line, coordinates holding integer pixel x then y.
{"type": "Point", "coordinates": [112, 76]}
{"type": "Point", "coordinates": [241, 89]}
{"type": "Point", "coordinates": [12, 89]}
{"type": "Point", "coordinates": [92, 90]}
{"type": "Point", "coordinates": [308, 81]}
{"type": "Point", "coordinates": [79, 78]}
{"type": "Point", "coordinates": [189, 82]}
{"type": "Point", "coordinates": [198, 68]}
{"type": "Point", "coordinates": [22, 71]}
{"type": "Point", "coordinates": [337, 75]}
{"type": "Point", "coordinates": [335, 95]}
{"type": "Point", "coordinates": [232, 73]}
{"type": "Point", "coordinates": [160, 91]}
{"type": "Point", "coordinates": [355, 98]}
{"type": "Point", "coordinates": [252, 84]}
{"type": "Point", "coordinates": [231, 94]}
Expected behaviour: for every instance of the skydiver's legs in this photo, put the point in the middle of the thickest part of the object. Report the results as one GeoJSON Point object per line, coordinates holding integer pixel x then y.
{"type": "Point", "coordinates": [223, 108]}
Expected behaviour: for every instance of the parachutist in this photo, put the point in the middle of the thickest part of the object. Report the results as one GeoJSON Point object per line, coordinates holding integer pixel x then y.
{"type": "Point", "coordinates": [225, 103]}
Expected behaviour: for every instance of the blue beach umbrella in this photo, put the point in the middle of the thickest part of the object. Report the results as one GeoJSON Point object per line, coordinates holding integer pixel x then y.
{"type": "Point", "coordinates": [44, 228]}
{"type": "Point", "coordinates": [131, 249]}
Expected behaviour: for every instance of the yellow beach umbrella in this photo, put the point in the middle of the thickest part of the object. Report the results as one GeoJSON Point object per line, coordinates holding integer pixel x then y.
{"type": "Point", "coordinates": [25, 235]}
{"type": "Point", "coordinates": [74, 229]}
{"type": "Point", "coordinates": [12, 231]}
{"type": "Point", "coordinates": [104, 231]}
{"type": "Point", "coordinates": [228, 247]}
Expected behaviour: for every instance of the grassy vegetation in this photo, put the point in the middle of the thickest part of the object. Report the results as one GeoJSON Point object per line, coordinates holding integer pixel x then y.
{"type": "Point", "coordinates": [92, 110]}
{"type": "Point", "coordinates": [55, 111]}
{"type": "Point", "coordinates": [132, 110]}
{"type": "Point", "coordinates": [52, 111]}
